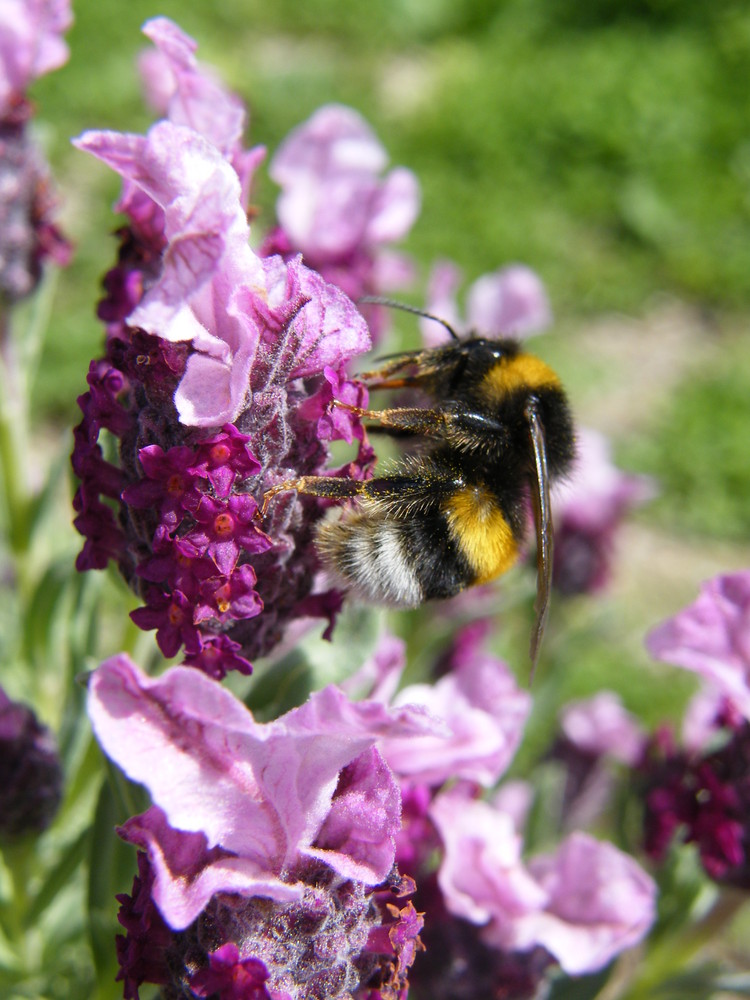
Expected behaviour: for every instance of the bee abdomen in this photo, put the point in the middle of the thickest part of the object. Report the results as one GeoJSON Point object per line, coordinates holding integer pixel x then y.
{"type": "Point", "coordinates": [482, 532]}
{"type": "Point", "coordinates": [395, 562]}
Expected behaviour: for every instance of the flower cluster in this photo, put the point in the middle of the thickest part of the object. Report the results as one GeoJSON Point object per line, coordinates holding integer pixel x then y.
{"type": "Point", "coordinates": [701, 791]}
{"type": "Point", "coordinates": [270, 852]}
{"type": "Point", "coordinates": [31, 44]}
{"type": "Point", "coordinates": [275, 839]}
{"type": "Point", "coordinates": [220, 369]}
{"type": "Point", "coordinates": [495, 924]}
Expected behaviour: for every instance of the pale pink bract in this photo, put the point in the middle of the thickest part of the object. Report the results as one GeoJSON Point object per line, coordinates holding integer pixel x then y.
{"type": "Point", "coordinates": [239, 805]}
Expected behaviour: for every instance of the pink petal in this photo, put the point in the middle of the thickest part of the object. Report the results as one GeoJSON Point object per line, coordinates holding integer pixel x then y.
{"type": "Point", "coordinates": [484, 712]}
{"type": "Point", "coordinates": [357, 838]}
{"type": "Point", "coordinates": [601, 725]}
{"type": "Point", "coordinates": [508, 302]}
{"type": "Point", "coordinates": [482, 875]}
{"type": "Point", "coordinates": [31, 42]}
{"type": "Point", "coordinates": [187, 874]}
{"type": "Point", "coordinates": [601, 902]}
{"type": "Point", "coordinates": [396, 207]}
{"type": "Point", "coordinates": [330, 327]}
{"type": "Point", "coordinates": [712, 637]}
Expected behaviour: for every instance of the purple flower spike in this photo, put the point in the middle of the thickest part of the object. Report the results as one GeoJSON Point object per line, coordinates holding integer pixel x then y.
{"type": "Point", "coordinates": [30, 772]}
{"type": "Point", "coordinates": [702, 796]}
{"type": "Point", "coordinates": [271, 798]}
{"type": "Point", "coordinates": [31, 44]}
{"type": "Point", "coordinates": [711, 637]}
{"type": "Point", "coordinates": [258, 827]}
{"type": "Point", "coordinates": [220, 371]}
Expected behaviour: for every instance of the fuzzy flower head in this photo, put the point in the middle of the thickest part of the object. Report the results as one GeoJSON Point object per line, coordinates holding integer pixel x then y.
{"type": "Point", "coordinates": [509, 302]}
{"type": "Point", "coordinates": [31, 44]}
{"type": "Point", "coordinates": [259, 828]}
{"type": "Point", "coordinates": [30, 771]}
{"type": "Point", "coordinates": [337, 208]}
{"type": "Point", "coordinates": [217, 380]}
{"type": "Point", "coordinates": [701, 797]}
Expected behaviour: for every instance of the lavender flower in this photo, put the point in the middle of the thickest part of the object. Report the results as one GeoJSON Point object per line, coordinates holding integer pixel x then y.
{"type": "Point", "coordinates": [702, 792]}
{"type": "Point", "coordinates": [219, 372]}
{"type": "Point", "coordinates": [179, 88]}
{"type": "Point", "coordinates": [30, 771]}
{"type": "Point", "coordinates": [337, 210]}
{"type": "Point", "coordinates": [509, 302]}
{"type": "Point", "coordinates": [584, 904]}
{"type": "Point", "coordinates": [495, 924]}
{"type": "Point", "coordinates": [594, 733]}
{"type": "Point", "coordinates": [482, 709]}
{"type": "Point", "coordinates": [601, 726]}
{"type": "Point", "coordinates": [701, 798]}
{"type": "Point", "coordinates": [711, 637]}
{"type": "Point", "coordinates": [31, 44]}
{"type": "Point", "coordinates": [278, 838]}
{"type": "Point", "coordinates": [589, 509]}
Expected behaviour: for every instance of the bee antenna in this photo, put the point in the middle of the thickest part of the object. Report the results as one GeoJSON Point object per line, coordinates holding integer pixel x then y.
{"type": "Point", "coordinates": [378, 300]}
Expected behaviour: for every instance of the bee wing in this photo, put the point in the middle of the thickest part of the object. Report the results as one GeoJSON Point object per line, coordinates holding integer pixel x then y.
{"type": "Point", "coordinates": [542, 524]}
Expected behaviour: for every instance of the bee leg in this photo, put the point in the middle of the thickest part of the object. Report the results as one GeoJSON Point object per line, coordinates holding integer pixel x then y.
{"type": "Point", "coordinates": [389, 374]}
{"type": "Point", "coordinates": [331, 487]}
{"type": "Point", "coordinates": [403, 420]}
{"type": "Point", "coordinates": [391, 366]}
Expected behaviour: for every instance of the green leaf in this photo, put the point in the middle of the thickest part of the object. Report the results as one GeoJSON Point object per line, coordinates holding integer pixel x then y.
{"type": "Point", "coordinates": [59, 877]}
{"type": "Point", "coordinates": [580, 988]}
{"type": "Point", "coordinates": [43, 502]}
{"type": "Point", "coordinates": [111, 869]}
{"type": "Point", "coordinates": [694, 984]}
{"type": "Point", "coordinates": [42, 607]}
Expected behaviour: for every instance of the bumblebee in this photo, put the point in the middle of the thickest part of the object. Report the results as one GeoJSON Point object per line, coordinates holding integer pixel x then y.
{"type": "Point", "coordinates": [495, 432]}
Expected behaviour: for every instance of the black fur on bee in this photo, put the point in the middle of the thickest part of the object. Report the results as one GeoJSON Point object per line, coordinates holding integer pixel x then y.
{"type": "Point", "coordinates": [496, 430]}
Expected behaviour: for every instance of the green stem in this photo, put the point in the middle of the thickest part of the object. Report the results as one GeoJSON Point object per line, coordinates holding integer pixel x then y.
{"type": "Point", "coordinates": [13, 441]}
{"type": "Point", "coordinates": [672, 955]}
{"type": "Point", "coordinates": [18, 858]}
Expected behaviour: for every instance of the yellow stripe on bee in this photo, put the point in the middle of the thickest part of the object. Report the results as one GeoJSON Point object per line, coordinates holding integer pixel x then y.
{"type": "Point", "coordinates": [481, 532]}
{"type": "Point", "coordinates": [524, 371]}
